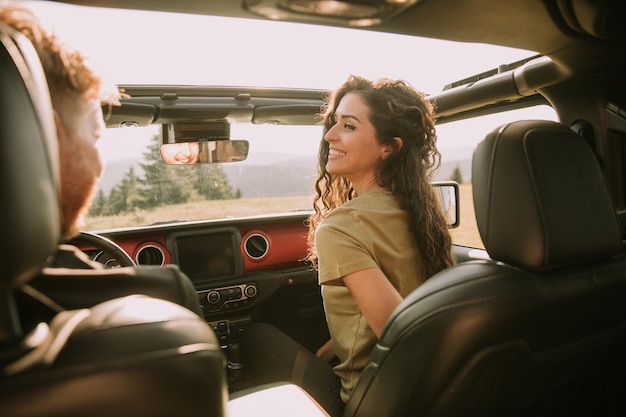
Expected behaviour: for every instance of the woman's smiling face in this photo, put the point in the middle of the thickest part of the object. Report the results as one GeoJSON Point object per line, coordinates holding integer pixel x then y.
{"type": "Point", "coordinates": [354, 152]}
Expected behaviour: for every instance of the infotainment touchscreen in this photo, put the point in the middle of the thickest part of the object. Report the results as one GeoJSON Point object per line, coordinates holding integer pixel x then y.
{"type": "Point", "coordinates": [209, 254]}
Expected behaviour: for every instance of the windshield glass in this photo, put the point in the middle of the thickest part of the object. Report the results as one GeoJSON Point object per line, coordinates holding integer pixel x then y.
{"type": "Point", "coordinates": [132, 47]}
{"type": "Point", "coordinates": [277, 176]}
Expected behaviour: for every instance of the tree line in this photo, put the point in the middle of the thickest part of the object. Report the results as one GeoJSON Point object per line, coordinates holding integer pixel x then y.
{"type": "Point", "coordinates": [456, 175]}
{"type": "Point", "coordinates": [163, 184]}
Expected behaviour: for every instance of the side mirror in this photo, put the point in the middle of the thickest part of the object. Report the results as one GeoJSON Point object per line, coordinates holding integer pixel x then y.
{"type": "Point", "coordinates": [205, 152]}
{"type": "Point", "coordinates": [448, 194]}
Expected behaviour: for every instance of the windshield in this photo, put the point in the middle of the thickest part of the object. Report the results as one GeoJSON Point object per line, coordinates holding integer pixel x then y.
{"type": "Point", "coordinates": [277, 176]}
{"type": "Point", "coordinates": [132, 47]}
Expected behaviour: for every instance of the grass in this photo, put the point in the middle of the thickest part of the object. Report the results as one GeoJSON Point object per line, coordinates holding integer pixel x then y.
{"type": "Point", "coordinates": [466, 234]}
{"type": "Point", "coordinates": [198, 210]}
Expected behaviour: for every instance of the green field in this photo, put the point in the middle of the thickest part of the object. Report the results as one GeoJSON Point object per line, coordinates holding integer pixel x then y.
{"type": "Point", "coordinates": [466, 234]}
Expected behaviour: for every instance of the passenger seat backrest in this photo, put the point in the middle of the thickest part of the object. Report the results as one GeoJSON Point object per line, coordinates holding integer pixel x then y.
{"type": "Point", "coordinates": [536, 331]}
{"type": "Point", "coordinates": [29, 213]}
{"type": "Point", "coordinates": [128, 357]}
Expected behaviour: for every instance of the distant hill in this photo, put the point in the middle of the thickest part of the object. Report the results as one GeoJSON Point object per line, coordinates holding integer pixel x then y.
{"type": "Point", "coordinates": [452, 157]}
{"type": "Point", "coordinates": [273, 178]}
{"type": "Point", "coordinates": [114, 173]}
{"type": "Point", "coordinates": [276, 174]}
{"type": "Point", "coordinates": [445, 171]}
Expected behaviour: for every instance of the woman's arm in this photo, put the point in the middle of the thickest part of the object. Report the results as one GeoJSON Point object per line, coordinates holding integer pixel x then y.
{"type": "Point", "coordinates": [374, 295]}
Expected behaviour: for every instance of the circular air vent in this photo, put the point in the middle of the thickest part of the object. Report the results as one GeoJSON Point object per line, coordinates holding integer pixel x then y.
{"type": "Point", "coordinates": [150, 255]}
{"type": "Point", "coordinates": [256, 246]}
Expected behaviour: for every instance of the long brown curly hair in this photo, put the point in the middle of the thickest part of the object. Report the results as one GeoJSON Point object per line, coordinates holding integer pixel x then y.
{"type": "Point", "coordinates": [396, 109]}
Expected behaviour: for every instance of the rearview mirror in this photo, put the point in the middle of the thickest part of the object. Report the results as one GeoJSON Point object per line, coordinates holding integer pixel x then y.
{"type": "Point", "coordinates": [205, 152]}
{"type": "Point", "coordinates": [448, 195]}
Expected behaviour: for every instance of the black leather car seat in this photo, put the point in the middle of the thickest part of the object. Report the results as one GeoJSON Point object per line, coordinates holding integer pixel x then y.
{"type": "Point", "coordinates": [130, 356]}
{"type": "Point", "coordinates": [70, 289]}
{"type": "Point", "coordinates": [537, 331]}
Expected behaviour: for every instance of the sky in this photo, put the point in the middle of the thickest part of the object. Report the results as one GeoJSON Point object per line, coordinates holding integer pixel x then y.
{"type": "Point", "coordinates": [144, 48]}
{"type": "Point", "coordinates": [134, 47]}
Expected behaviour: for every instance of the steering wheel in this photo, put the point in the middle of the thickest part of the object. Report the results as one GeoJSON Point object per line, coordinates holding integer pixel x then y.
{"type": "Point", "coordinates": [110, 254]}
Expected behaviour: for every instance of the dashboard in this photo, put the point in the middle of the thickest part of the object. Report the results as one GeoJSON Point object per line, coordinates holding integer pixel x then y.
{"type": "Point", "coordinates": [233, 246]}
{"type": "Point", "coordinates": [234, 264]}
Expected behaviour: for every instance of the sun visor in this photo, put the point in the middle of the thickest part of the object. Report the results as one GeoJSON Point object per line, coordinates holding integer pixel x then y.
{"type": "Point", "coordinates": [288, 115]}
{"type": "Point", "coordinates": [196, 132]}
{"type": "Point", "coordinates": [129, 115]}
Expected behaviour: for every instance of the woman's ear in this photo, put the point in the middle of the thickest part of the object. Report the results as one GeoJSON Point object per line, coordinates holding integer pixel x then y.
{"type": "Point", "coordinates": [398, 143]}
{"type": "Point", "coordinates": [390, 150]}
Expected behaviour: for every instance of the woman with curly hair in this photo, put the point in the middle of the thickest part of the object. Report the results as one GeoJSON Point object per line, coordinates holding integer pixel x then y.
{"type": "Point", "coordinates": [377, 231]}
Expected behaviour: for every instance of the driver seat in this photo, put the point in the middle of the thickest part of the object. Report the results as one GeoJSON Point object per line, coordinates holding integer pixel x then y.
{"type": "Point", "coordinates": [129, 356]}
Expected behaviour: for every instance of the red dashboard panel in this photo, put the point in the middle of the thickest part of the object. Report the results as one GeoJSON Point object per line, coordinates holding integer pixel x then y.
{"type": "Point", "coordinates": [266, 243]}
{"type": "Point", "coordinates": [286, 246]}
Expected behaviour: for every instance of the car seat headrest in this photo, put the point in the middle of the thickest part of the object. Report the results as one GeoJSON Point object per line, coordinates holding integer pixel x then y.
{"type": "Point", "coordinates": [541, 199]}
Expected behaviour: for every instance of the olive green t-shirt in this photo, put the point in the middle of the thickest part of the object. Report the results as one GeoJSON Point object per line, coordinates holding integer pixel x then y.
{"type": "Point", "coordinates": [370, 231]}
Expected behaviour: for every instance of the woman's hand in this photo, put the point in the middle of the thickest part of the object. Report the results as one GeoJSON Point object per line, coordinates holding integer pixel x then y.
{"type": "Point", "coordinates": [326, 352]}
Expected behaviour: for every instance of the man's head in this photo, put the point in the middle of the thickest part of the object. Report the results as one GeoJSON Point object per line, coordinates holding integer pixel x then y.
{"type": "Point", "coordinates": [77, 94]}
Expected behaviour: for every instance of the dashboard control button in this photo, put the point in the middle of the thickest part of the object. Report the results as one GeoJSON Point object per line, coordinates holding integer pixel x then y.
{"type": "Point", "coordinates": [228, 298]}
{"type": "Point", "coordinates": [213, 297]}
{"type": "Point", "coordinates": [250, 291]}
